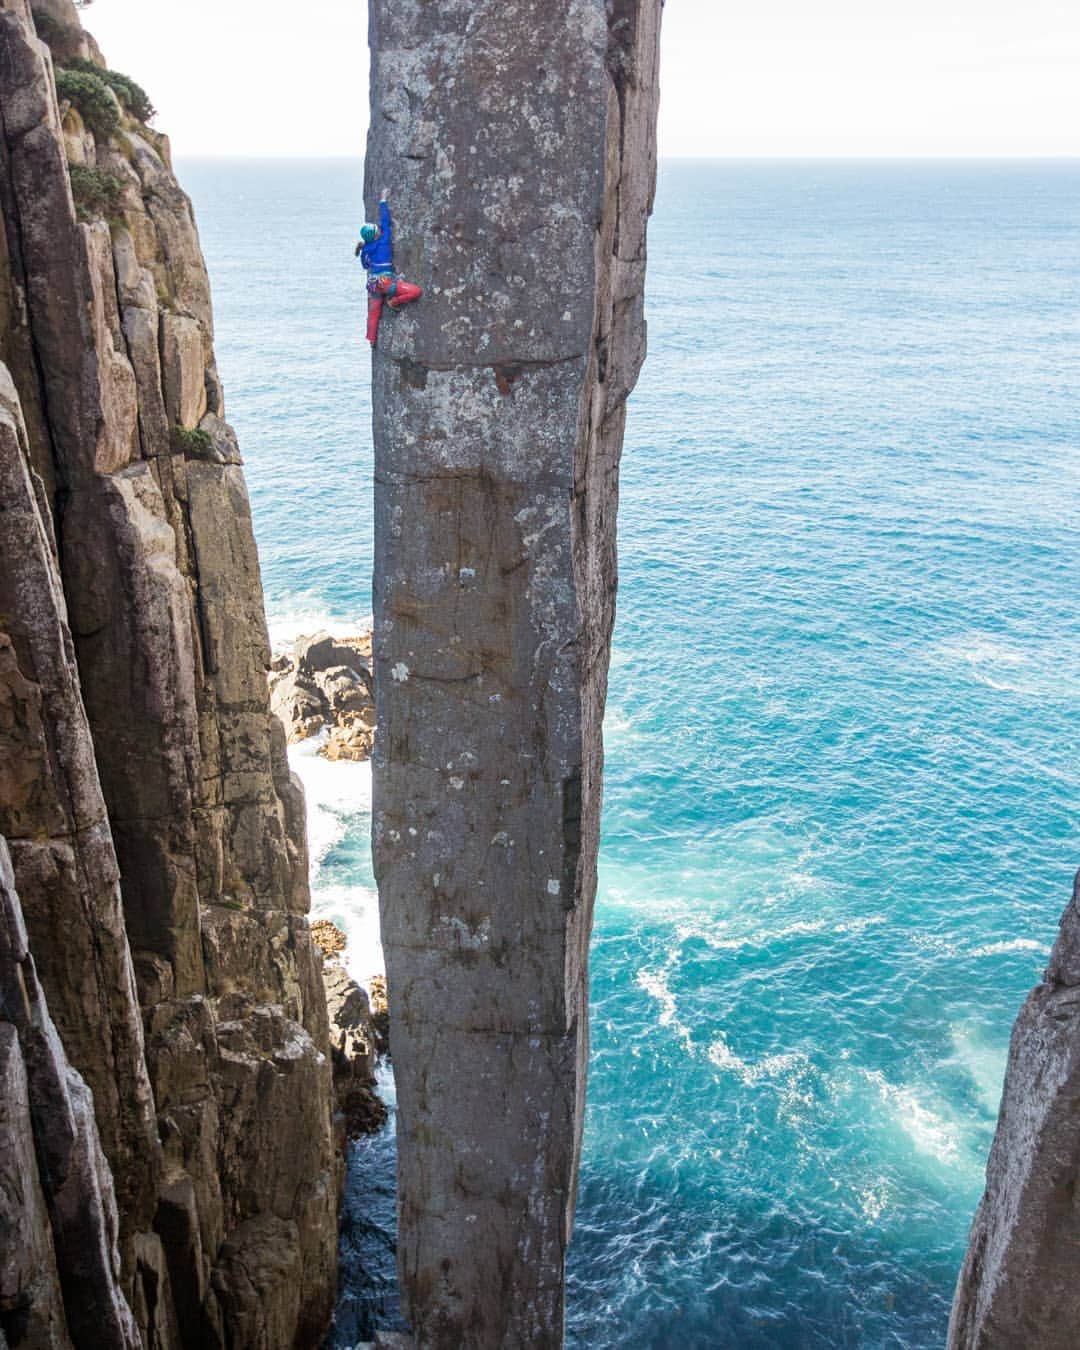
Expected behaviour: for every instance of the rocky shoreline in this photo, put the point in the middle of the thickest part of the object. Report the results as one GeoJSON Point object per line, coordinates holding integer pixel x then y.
{"type": "Point", "coordinates": [325, 683]}
{"type": "Point", "coordinates": [322, 686]}
{"type": "Point", "coordinates": [355, 1044]}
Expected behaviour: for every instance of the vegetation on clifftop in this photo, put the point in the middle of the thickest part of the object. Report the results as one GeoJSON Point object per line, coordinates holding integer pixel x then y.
{"type": "Point", "coordinates": [91, 96]}
{"type": "Point", "coordinates": [133, 97]}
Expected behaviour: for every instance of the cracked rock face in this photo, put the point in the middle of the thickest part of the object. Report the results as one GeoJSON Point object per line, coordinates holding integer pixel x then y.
{"type": "Point", "coordinates": [517, 139]}
{"type": "Point", "coordinates": [163, 1032]}
{"type": "Point", "coordinates": [1017, 1287]}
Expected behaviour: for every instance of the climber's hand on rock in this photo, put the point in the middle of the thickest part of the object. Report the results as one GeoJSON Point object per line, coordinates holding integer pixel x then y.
{"type": "Point", "coordinates": [357, 250]}
{"type": "Point", "coordinates": [385, 196]}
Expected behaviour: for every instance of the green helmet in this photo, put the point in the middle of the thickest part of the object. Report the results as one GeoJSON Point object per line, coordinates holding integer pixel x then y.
{"type": "Point", "coordinates": [369, 233]}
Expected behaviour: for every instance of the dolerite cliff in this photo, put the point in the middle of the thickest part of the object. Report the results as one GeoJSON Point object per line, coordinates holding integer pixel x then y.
{"type": "Point", "coordinates": [516, 139]}
{"type": "Point", "coordinates": [167, 1168]}
{"type": "Point", "coordinates": [1018, 1285]}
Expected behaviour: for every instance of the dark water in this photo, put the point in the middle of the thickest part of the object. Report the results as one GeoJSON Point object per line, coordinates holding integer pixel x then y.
{"type": "Point", "coordinates": [843, 783]}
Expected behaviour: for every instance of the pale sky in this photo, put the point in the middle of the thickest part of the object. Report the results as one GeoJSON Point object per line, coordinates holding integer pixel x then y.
{"type": "Point", "coordinates": [738, 77]}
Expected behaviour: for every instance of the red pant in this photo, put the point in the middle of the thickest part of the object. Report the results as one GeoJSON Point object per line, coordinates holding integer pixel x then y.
{"type": "Point", "coordinates": [395, 291]}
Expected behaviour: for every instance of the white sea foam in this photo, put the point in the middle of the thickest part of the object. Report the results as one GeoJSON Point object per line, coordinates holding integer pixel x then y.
{"type": "Point", "coordinates": [335, 790]}
{"type": "Point", "coordinates": [983, 1063]}
{"type": "Point", "coordinates": [874, 1199]}
{"type": "Point", "coordinates": [771, 1066]}
{"type": "Point", "coordinates": [655, 984]}
{"type": "Point", "coordinates": [355, 910]}
{"type": "Point", "coordinates": [289, 624]}
{"type": "Point", "coordinates": [1011, 945]}
{"type": "Point", "coordinates": [720, 937]}
{"type": "Point", "coordinates": [977, 649]}
{"type": "Point", "coordinates": [990, 660]}
{"type": "Point", "coordinates": [338, 792]}
{"type": "Point", "coordinates": [930, 1132]}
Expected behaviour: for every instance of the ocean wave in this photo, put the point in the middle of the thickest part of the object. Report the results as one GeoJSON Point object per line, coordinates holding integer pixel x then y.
{"type": "Point", "coordinates": [335, 789]}
{"type": "Point", "coordinates": [286, 625]}
{"type": "Point", "coordinates": [355, 910]}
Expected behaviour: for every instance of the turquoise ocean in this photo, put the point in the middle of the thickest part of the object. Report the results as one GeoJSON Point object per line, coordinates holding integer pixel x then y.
{"type": "Point", "coordinates": [843, 785]}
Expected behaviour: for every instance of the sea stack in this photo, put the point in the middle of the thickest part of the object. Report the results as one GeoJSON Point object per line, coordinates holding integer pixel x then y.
{"type": "Point", "coordinates": [516, 143]}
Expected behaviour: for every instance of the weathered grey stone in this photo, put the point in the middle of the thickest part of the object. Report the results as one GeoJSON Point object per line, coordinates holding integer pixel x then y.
{"type": "Point", "coordinates": [518, 142]}
{"type": "Point", "coordinates": [65, 35]}
{"type": "Point", "coordinates": [53, 814]}
{"type": "Point", "coordinates": [31, 1303]}
{"type": "Point", "coordinates": [1018, 1282]}
{"type": "Point", "coordinates": [144, 737]}
{"type": "Point", "coordinates": [134, 283]}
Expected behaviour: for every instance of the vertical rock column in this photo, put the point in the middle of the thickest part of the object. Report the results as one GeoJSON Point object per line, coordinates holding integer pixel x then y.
{"type": "Point", "coordinates": [516, 142]}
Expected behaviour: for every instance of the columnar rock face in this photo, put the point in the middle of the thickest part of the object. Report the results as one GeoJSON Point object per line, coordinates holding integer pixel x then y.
{"type": "Point", "coordinates": [1018, 1285]}
{"type": "Point", "coordinates": [516, 139]}
{"type": "Point", "coordinates": [156, 836]}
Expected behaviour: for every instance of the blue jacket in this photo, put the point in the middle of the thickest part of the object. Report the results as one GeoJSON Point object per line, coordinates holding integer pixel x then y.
{"type": "Point", "coordinates": [378, 256]}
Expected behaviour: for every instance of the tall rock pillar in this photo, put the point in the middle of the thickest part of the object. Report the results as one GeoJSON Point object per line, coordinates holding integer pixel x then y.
{"type": "Point", "coordinates": [515, 139]}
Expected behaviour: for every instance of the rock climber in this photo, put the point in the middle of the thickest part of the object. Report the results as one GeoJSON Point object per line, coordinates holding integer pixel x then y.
{"type": "Point", "coordinates": [376, 251]}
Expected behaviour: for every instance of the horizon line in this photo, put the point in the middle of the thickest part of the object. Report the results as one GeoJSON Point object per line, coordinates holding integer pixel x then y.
{"type": "Point", "coordinates": [778, 157]}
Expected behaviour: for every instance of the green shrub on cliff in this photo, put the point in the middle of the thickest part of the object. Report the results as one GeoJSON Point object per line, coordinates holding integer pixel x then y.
{"type": "Point", "coordinates": [197, 444]}
{"type": "Point", "coordinates": [91, 96]}
{"type": "Point", "coordinates": [97, 194]}
{"type": "Point", "coordinates": [132, 96]}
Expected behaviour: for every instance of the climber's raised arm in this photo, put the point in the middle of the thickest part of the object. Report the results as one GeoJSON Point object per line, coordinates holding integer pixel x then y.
{"type": "Point", "coordinates": [384, 224]}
